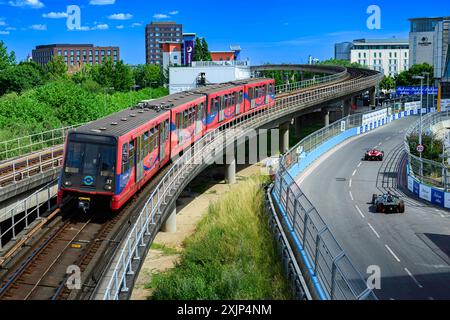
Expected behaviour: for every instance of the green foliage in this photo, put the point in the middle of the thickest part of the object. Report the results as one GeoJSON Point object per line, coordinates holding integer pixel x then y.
{"type": "Point", "coordinates": [405, 78]}
{"type": "Point", "coordinates": [62, 103]}
{"type": "Point", "coordinates": [433, 146]}
{"type": "Point", "coordinates": [56, 68]}
{"type": "Point", "coordinates": [206, 52]}
{"type": "Point", "coordinates": [147, 75]}
{"type": "Point", "coordinates": [232, 255]}
{"type": "Point", "coordinates": [343, 63]}
{"type": "Point", "coordinates": [24, 76]}
{"type": "Point", "coordinates": [387, 83]}
{"type": "Point", "coordinates": [118, 76]}
{"type": "Point", "coordinates": [201, 50]}
{"type": "Point", "coordinates": [6, 60]}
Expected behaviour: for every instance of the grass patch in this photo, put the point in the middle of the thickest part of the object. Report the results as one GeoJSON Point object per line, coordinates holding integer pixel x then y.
{"type": "Point", "coordinates": [168, 251]}
{"type": "Point", "coordinates": [232, 255]}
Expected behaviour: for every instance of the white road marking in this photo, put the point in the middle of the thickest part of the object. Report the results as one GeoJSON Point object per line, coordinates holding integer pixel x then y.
{"type": "Point", "coordinates": [380, 144]}
{"type": "Point", "coordinates": [388, 138]}
{"type": "Point", "coordinates": [392, 252]}
{"type": "Point", "coordinates": [359, 211]}
{"type": "Point", "coordinates": [440, 213]}
{"type": "Point", "coordinates": [414, 279]}
{"type": "Point", "coordinates": [359, 165]}
{"type": "Point", "coordinates": [354, 172]}
{"type": "Point", "coordinates": [374, 231]}
{"type": "Point", "coordinates": [350, 183]}
{"type": "Point", "coordinates": [351, 195]}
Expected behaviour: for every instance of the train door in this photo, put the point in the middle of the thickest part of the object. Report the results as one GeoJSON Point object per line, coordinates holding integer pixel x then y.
{"type": "Point", "coordinates": [139, 159]}
{"type": "Point", "coordinates": [251, 96]}
{"type": "Point", "coordinates": [266, 93]}
{"type": "Point", "coordinates": [199, 118]}
{"type": "Point", "coordinates": [163, 136]}
{"type": "Point", "coordinates": [238, 98]}
{"type": "Point", "coordinates": [221, 108]}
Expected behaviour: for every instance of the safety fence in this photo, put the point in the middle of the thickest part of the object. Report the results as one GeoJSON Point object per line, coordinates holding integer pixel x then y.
{"type": "Point", "coordinates": [429, 179]}
{"type": "Point", "coordinates": [24, 212]}
{"type": "Point", "coordinates": [289, 87]}
{"type": "Point", "coordinates": [199, 157]}
{"type": "Point", "coordinates": [34, 142]}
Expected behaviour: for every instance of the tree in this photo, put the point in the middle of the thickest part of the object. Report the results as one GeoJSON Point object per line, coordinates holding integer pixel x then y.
{"type": "Point", "coordinates": [198, 50]}
{"type": "Point", "coordinates": [148, 75]}
{"type": "Point", "coordinates": [56, 68]}
{"type": "Point", "coordinates": [6, 60]}
{"type": "Point", "coordinates": [119, 75]}
{"type": "Point", "coordinates": [18, 78]}
{"type": "Point", "coordinates": [406, 78]}
{"type": "Point", "coordinates": [205, 51]}
{"type": "Point", "coordinates": [343, 63]}
{"type": "Point", "coordinates": [387, 83]}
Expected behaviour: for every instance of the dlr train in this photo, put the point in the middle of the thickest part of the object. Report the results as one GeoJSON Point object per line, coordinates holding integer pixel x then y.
{"type": "Point", "coordinates": [110, 159]}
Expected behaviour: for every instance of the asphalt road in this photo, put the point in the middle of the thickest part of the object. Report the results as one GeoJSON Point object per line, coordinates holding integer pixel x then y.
{"type": "Point", "coordinates": [411, 249]}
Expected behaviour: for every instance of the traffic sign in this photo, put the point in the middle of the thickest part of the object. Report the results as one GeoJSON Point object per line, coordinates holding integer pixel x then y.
{"type": "Point", "coordinates": [420, 148]}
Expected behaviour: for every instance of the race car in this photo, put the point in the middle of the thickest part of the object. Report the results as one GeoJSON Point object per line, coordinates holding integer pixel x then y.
{"type": "Point", "coordinates": [388, 203]}
{"type": "Point", "coordinates": [374, 154]}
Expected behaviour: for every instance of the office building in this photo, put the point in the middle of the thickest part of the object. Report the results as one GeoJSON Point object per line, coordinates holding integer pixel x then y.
{"type": "Point", "coordinates": [75, 55]}
{"type": "Point", "coordinates": [389, 56]}
{"type": "Point", "coordinates": [342, 51]}
{"type": "Point", "coordinates": [157, 33]}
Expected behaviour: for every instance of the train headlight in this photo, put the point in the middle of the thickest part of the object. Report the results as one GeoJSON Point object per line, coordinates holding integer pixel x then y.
{"type": "Point", "coordinates": [108, 187]}
{"type": "Point", "coordinates": [67, 184]}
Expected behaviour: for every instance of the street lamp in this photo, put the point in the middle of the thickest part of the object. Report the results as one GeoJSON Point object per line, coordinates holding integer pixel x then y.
{"type": "Point", "coordinates": [420, 130]}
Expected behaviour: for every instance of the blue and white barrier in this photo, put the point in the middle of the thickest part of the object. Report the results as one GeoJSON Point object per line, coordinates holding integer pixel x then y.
{"type": "Point", "coordinates": [431, 194]}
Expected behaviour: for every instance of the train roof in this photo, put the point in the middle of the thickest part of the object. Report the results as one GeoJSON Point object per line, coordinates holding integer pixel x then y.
{"type": "Point", "coordinates": [124, 121]}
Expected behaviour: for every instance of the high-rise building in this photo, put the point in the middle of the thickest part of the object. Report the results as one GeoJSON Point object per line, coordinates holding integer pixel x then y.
{"type": "Point", "coordinates": [157, 33]}
{"type": "Point", "coordinates": [75, 55]}
{"type": "Point", "coordinates": [429, 40]}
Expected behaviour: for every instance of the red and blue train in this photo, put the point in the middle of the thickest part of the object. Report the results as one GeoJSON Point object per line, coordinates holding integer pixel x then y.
{"type": "Point", "coordinates": [110, 159]}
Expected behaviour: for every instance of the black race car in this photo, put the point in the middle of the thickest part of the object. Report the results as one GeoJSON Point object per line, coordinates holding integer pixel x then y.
{"type": "Point", "coordinates": [388, 203]}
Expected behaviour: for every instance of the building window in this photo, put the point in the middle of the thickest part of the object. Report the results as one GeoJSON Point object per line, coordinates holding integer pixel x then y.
{"type": "Point", "coordinates": [71, 52]}
{"type": "Point", "coordinates": [59, 53]}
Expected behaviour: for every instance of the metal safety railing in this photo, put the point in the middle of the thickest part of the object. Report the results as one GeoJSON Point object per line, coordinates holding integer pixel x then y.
{"type": "Point", "coordinates": [24, 212]}
{"type": "Point", "coordinates": [35, 142]}
{"type": "Point", "coordinates": [198, 157]}
{"type": "Point", "coordinates": [289, 87]}
{"type": "Point", "coordinates": [428, 172]}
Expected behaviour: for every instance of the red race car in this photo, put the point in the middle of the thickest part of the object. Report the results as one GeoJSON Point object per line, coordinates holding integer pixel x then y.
{"type": "Point", "coordinates": [374, 154]}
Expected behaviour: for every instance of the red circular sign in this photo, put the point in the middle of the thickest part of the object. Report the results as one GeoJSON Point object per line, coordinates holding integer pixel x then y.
{"type": "Point", "coordinates": [420, 148]}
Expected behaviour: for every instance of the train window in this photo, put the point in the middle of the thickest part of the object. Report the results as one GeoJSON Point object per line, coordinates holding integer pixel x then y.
{"type": "Point", "coordinates": [131, 155]}
{"type": "Point", "coordinates": [74, 156]}
{"type": "Point", "coordinates": [241, 97]}
{"type": "Point", "coordinates": [124, 157]}
{"type": "Point", "coordinates": [250, 93]}
{"type": "Point", "coordinates": [145, 143]}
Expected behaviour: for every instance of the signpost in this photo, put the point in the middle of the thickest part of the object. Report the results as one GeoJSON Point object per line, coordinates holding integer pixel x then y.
{"type": "Point", "coordinates": [420, 148]}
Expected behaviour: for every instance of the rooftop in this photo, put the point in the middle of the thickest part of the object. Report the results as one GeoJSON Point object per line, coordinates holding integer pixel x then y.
{"type": "Point", "coordinates": [431, 18]}
{"type": "Point", "coordinates": [382, 41]}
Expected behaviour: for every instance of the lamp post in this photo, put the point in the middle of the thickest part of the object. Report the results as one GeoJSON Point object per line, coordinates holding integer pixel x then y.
{"type": "Point", "coordinates": [420, 127]}
{"type": "Point", "coordinates": [427, 74]}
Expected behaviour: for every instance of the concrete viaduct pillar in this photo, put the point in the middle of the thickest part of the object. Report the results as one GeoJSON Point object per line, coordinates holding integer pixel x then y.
{"type": "Point", "coordinates": [284, 137]}
{"type": "Point", "coordinates": [170, 226]}
{"type": "Point", "coordinates": [347, 104]}
{"type": "Point", "coordinates": [372, 96]}
{"type": "Point", "coordinates": [326, 117]}
{"type": "Point", "coordinates": [230, 168]}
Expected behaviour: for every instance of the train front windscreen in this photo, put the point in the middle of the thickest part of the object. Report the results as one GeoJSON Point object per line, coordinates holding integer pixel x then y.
{"type": "Point", "coordinates": [90, 163]}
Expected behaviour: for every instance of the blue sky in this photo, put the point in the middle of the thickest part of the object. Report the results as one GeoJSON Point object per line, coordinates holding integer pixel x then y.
{"type": "Point", "coordinates": [268, 31]}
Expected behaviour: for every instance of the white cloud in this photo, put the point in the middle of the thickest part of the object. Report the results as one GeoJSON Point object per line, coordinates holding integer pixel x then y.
{"type": "Point", "coordinates": [120, 16]}
{"type": "Point", "coordinates": [2, 23]}
{"type": "Point", "coordinates": [101, 2]}
{"type": "Point", "coordinates": [11, 28]}
{"type": "Point", "coordinates": [103, 26]}
{"type": "Point", "coordinates": [4, 32]}
{"type": "Point", "coordinates": [35, 4]}
{"type": "Point", "coordinates": [55, 15]}
{"type": "Point", "coordinates": [136, 24]}
{"type": "Point", "coordinates": [173, 12]}
{"type": "Point", "coordinates": [39, 27]}
{"type": "Point", "coordinates": [160, 16]}
{"type": "Point", "coordinates": [120, 26]}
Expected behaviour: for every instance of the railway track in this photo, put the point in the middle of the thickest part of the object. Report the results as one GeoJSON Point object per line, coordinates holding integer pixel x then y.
{"type": "Point", "coordinates": [74, 239]}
